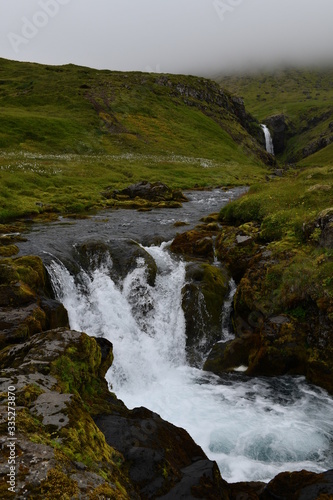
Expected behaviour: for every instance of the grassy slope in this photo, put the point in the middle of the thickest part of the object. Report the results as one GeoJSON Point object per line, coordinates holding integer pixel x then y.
{"type": "Point", "coordinates": [304, 96]}
{"type": "Point", "coordinates": [284, 206]}
{"type": "Point", "coordinates": [68, 132]}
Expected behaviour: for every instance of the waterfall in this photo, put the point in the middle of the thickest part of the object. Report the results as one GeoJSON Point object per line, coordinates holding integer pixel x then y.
{"type": "Point", "coordinates": [268, 139]}
{"type": "Point", "coordinates": [253, 428]}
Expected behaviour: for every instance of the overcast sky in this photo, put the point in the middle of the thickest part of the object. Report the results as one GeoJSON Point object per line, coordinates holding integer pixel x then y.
{"type": "Point", "coordinates": [176, 36]}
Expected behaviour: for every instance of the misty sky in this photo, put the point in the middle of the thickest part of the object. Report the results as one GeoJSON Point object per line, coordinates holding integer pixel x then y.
{"type": "Point", "coordinates": [176, 36]}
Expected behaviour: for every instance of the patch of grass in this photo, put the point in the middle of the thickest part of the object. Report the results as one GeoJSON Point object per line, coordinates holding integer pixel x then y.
{"type": "Point", "coordinates": [69, 132]}
{"type": "Point", "coordinates": [284, 205]}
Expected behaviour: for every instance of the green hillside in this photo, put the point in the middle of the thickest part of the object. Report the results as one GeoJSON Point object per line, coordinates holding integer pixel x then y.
{"type": "Point", "coordinates": [69, 132]}
{"type": "Point", "coordinates": [304, 98]}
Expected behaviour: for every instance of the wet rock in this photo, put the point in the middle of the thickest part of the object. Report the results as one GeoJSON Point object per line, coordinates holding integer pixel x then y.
{"type": "Point", "coordinates": [203, 299]}
{"type": "Point", "coordinates": [120, 257]}
{"type": "Point", "coordinates": [227, 356]}
{"type": "Point", "coordinates": [199, 481]}
{"type": "Point", "coordinates": [56, 314]}
{"type": "Point", "coordinates": [160, 455]}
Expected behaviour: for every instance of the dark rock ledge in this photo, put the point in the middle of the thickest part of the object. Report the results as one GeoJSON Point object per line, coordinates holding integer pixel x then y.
{"type": "Point", "coordinates": [76, 440]}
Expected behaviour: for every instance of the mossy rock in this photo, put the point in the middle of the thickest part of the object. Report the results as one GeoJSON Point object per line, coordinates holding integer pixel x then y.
{"type": "Point", "coordinates": [194, 243]}
{"type": "Point", "coordinates": [236, 247]}
{"type": "Point", "coordinates": [8, 250]}
{"type": "Point", "coordinates": [226, 356]}
{"type": "Point", "coordinates": [77, 461]}
{"type": "Point", "coordinates": [203, 298]}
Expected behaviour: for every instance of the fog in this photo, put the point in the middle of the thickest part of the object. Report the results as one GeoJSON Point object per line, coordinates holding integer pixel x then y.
{"type": "Point", "coordinates": [202, 37]}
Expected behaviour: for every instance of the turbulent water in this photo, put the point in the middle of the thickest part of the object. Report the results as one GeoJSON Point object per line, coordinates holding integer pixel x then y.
{"type": "Point", "coordinates": [268, 139]}
{"type": "Point", "coordinates": [253, 428]}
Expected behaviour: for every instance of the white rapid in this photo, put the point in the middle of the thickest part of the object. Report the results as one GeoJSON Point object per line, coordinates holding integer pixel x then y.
{"type": "Point", "coordinates": [253, 428]}
{"type": "Point", "coordinates": [268, 139]}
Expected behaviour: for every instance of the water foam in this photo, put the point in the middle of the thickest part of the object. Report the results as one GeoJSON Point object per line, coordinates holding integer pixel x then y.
{"type": "Point", "coordinates": [253, 428]}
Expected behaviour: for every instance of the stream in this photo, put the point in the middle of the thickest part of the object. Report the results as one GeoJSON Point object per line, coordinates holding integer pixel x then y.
{"type": "Point", "coordinates": [253, 428]}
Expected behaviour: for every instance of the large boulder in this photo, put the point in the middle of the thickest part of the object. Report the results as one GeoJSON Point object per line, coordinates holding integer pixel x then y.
{"type": "Point", "coordinates": [120, 256]}
{"type": "Point", "coordinates": [163, 459]}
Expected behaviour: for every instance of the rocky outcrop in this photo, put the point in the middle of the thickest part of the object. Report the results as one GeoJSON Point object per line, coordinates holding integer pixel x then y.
{"type": "Point", "coordinates": [146, 194]}
{"type": "Point", "coordinates": [26, 306]}
{"type": "Point", "coordinates": [162, 458]}
{"type": "Point", "coordinates": [223, 107]}
{"type": "Point", "coordinates": [282, 324]}
{"type": "Point", "coordinates": [301, 485]}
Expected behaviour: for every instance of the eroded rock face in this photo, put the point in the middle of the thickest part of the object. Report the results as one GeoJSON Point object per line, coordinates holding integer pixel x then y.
{"type": "Point", "coordinates": [277, 333]}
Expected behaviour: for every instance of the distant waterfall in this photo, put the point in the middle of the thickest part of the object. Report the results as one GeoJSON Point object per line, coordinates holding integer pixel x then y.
{"type": "Point", "coordinates": [268, 139]}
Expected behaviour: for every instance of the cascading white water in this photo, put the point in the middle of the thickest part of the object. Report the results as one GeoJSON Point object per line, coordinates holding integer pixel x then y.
{"type": "Point", "coordinates": [227, 334]}
{"type": "Point", "coordinates": [253, 428]}
{"type": "Point", "coordinates": [268, 139]}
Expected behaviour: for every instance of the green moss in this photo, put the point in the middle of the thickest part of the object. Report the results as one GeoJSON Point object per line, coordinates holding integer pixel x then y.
{"type": "Point", "coordinates": [214, 289]}
{"type": "Point", "coordinates": [31, 271]}
{"type": "Point", "coordinates": [58, 486]}
{"type": "Point", "coordinates": [8, 250]}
